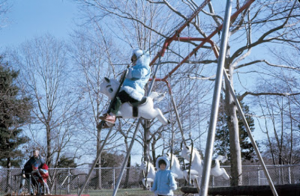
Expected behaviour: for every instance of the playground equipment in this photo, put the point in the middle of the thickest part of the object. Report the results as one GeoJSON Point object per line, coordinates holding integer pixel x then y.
{"type": "Point", "coordinates": [144, 108]}
{"type": "Point", "coordinates": [216, 169]}
{"type": "Point", "coordinates": [196, 164]}
{"type": "Point", "coordinates": [176, 167]}
{"type": "Point", "coordinates": [149, 173]}
{"type": "Point", "coordinates": [215, 102]}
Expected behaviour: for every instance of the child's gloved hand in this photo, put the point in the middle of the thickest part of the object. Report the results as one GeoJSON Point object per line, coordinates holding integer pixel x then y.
{"type": "Point", "coordinates": [129, 74]}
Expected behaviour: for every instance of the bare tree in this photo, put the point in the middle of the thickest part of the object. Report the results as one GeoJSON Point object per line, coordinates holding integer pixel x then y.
{"type": "Point", "coordinates": [280, 115]}
{"type": "Point", "coordinates": [4, 9]}
{"type": "Point", "coordinates": [46, 77]}
{"type": "Point", "coordinates": [282, 135]}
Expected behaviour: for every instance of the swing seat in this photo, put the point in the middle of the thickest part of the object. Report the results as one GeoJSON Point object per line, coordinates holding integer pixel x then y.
{"type": "Point", "coordinates": [135, 105]}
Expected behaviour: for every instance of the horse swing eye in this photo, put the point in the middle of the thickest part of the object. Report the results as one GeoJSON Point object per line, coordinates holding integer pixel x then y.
{"type": "Point", "coordinates": [110, 90]}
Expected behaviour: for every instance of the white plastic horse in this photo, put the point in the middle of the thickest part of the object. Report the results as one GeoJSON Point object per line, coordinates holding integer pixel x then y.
{"type": "Point", "coordinates": [216, 170]}
{"type": "Point", "coordinates": [146, 110]}
{"type": "Point", "coordinates": [197, 164]}
{"type": "Point", "coordinates": [175, 166]}
{"type": "Point", "coordinates": [148, 180]}
{"type": "Point", "coordinates": [178, 172]}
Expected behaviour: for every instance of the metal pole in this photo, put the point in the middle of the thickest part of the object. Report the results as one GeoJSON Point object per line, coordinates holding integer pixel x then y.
{"type": "Point", "coordinates": [78, 185]}
{"type": "Point", "coordinates": [126, 158]}
{"type": "Point", "coordinates": [95, 162]}
{"type": "Point", "coordinates": [68, 186]}
{"type": "Point", "coordinates": [177, 117]}
{"type": "Point", "coordinates": [250, 135]}
{"type": "Point", "coordinates": [114, 178]}
{"type": "Point", "coordinates": [258, 176]}
{"type": "Point", "coordinates": [154, 76]}
{"type": "Point", "coordinates": [215, 104]}
{"type": "Point", "coordinates": [289, 172]}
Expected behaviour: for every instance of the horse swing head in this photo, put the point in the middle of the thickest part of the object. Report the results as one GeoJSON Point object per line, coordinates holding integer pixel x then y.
{"type": "Point", "coordinates": [143, 166]}
{"type": "Point", "coordinates": [186, 152]}
{"type": "Point", "coordinates": [109, 87]}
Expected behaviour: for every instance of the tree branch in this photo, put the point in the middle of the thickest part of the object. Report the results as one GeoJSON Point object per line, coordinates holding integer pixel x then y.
{"type": "Point", "coordinates": [265, 93]}
{"type": "Point", "coordinates": [268, 63]}
{"type": "Point", "coordinates": [262, 38]}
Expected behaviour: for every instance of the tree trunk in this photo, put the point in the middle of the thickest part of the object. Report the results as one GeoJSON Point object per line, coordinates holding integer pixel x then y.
{"type": "Point", "coordinates": [232, 121]}
{"type": "Point", "coordinates": [128, 164]}
{"type": "Point", "coordinates": [98, 184]}
{"type": "Point", "coordinates": [146, 143]}
{"type": "Point", "coordinates": [8, 177]}
{"type": "Point", "coordinates": [146, 140]}
{"type": "Point", "coordinates": [49, 161]}
{"type": "Point", "coordinates": [153, 152]}
{"type": "Point", "coordinates": [290, 157]}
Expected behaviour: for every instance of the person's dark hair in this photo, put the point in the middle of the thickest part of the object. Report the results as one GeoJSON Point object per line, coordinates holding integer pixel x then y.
{"type": "Point", "coordinates": [161, 162]}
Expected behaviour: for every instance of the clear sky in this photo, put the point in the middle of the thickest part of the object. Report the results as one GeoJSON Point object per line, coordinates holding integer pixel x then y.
{"type": "Point", "coordinates": [29, 18]}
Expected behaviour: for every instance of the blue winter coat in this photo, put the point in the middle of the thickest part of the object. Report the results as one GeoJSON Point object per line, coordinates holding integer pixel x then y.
{"type": "Point", "coordinates": [138, 75]}
{"type": "Point", "coordinates": [38, 162]}
{"type": "Point", "coordinates": [164, 181]}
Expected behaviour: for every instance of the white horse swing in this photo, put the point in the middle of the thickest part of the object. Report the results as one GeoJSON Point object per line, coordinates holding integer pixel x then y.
{"type": "Point", "coordinates": [144, 108]}
{"type": "Point", "coordinates": [148, 173]}
{"type": "Point", "coordinates": [196, 164]}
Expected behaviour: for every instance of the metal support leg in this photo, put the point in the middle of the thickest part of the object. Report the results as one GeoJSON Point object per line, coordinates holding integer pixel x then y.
{"type": "Point", "coordinates": [96, 160]}
{"type": "Point", "coordinates": [215, 104]}
{"type": "Point", "coordinates": [126, 158]}
{"type": "Point", "coordinates": [250, 135]}
{"type": "Point", "coordinates": [177, 116]}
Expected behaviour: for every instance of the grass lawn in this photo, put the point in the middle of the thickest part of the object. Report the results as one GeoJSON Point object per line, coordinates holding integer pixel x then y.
{"type": "Point", "coordinates": [126, 192]}
{"type": "Point", "coordinates": [109, 192]}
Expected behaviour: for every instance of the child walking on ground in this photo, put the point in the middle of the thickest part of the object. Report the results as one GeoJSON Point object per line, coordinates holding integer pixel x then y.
{"type": "Point", "coordinates": [164, 182]}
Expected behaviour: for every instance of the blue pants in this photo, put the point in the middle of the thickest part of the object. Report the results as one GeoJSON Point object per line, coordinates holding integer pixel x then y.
{"type": "Point", "coordinates": [23, 183]}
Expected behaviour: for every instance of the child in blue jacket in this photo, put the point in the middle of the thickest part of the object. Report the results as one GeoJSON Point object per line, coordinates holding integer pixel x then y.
{"type": "Point", "coordinates": [133, 86]}
{"type": "Point", "coordinates": [164, 182]}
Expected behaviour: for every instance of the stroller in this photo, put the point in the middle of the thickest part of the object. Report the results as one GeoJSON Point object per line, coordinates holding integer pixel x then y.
{"type": "Point", "coordinates": [39, 180]}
